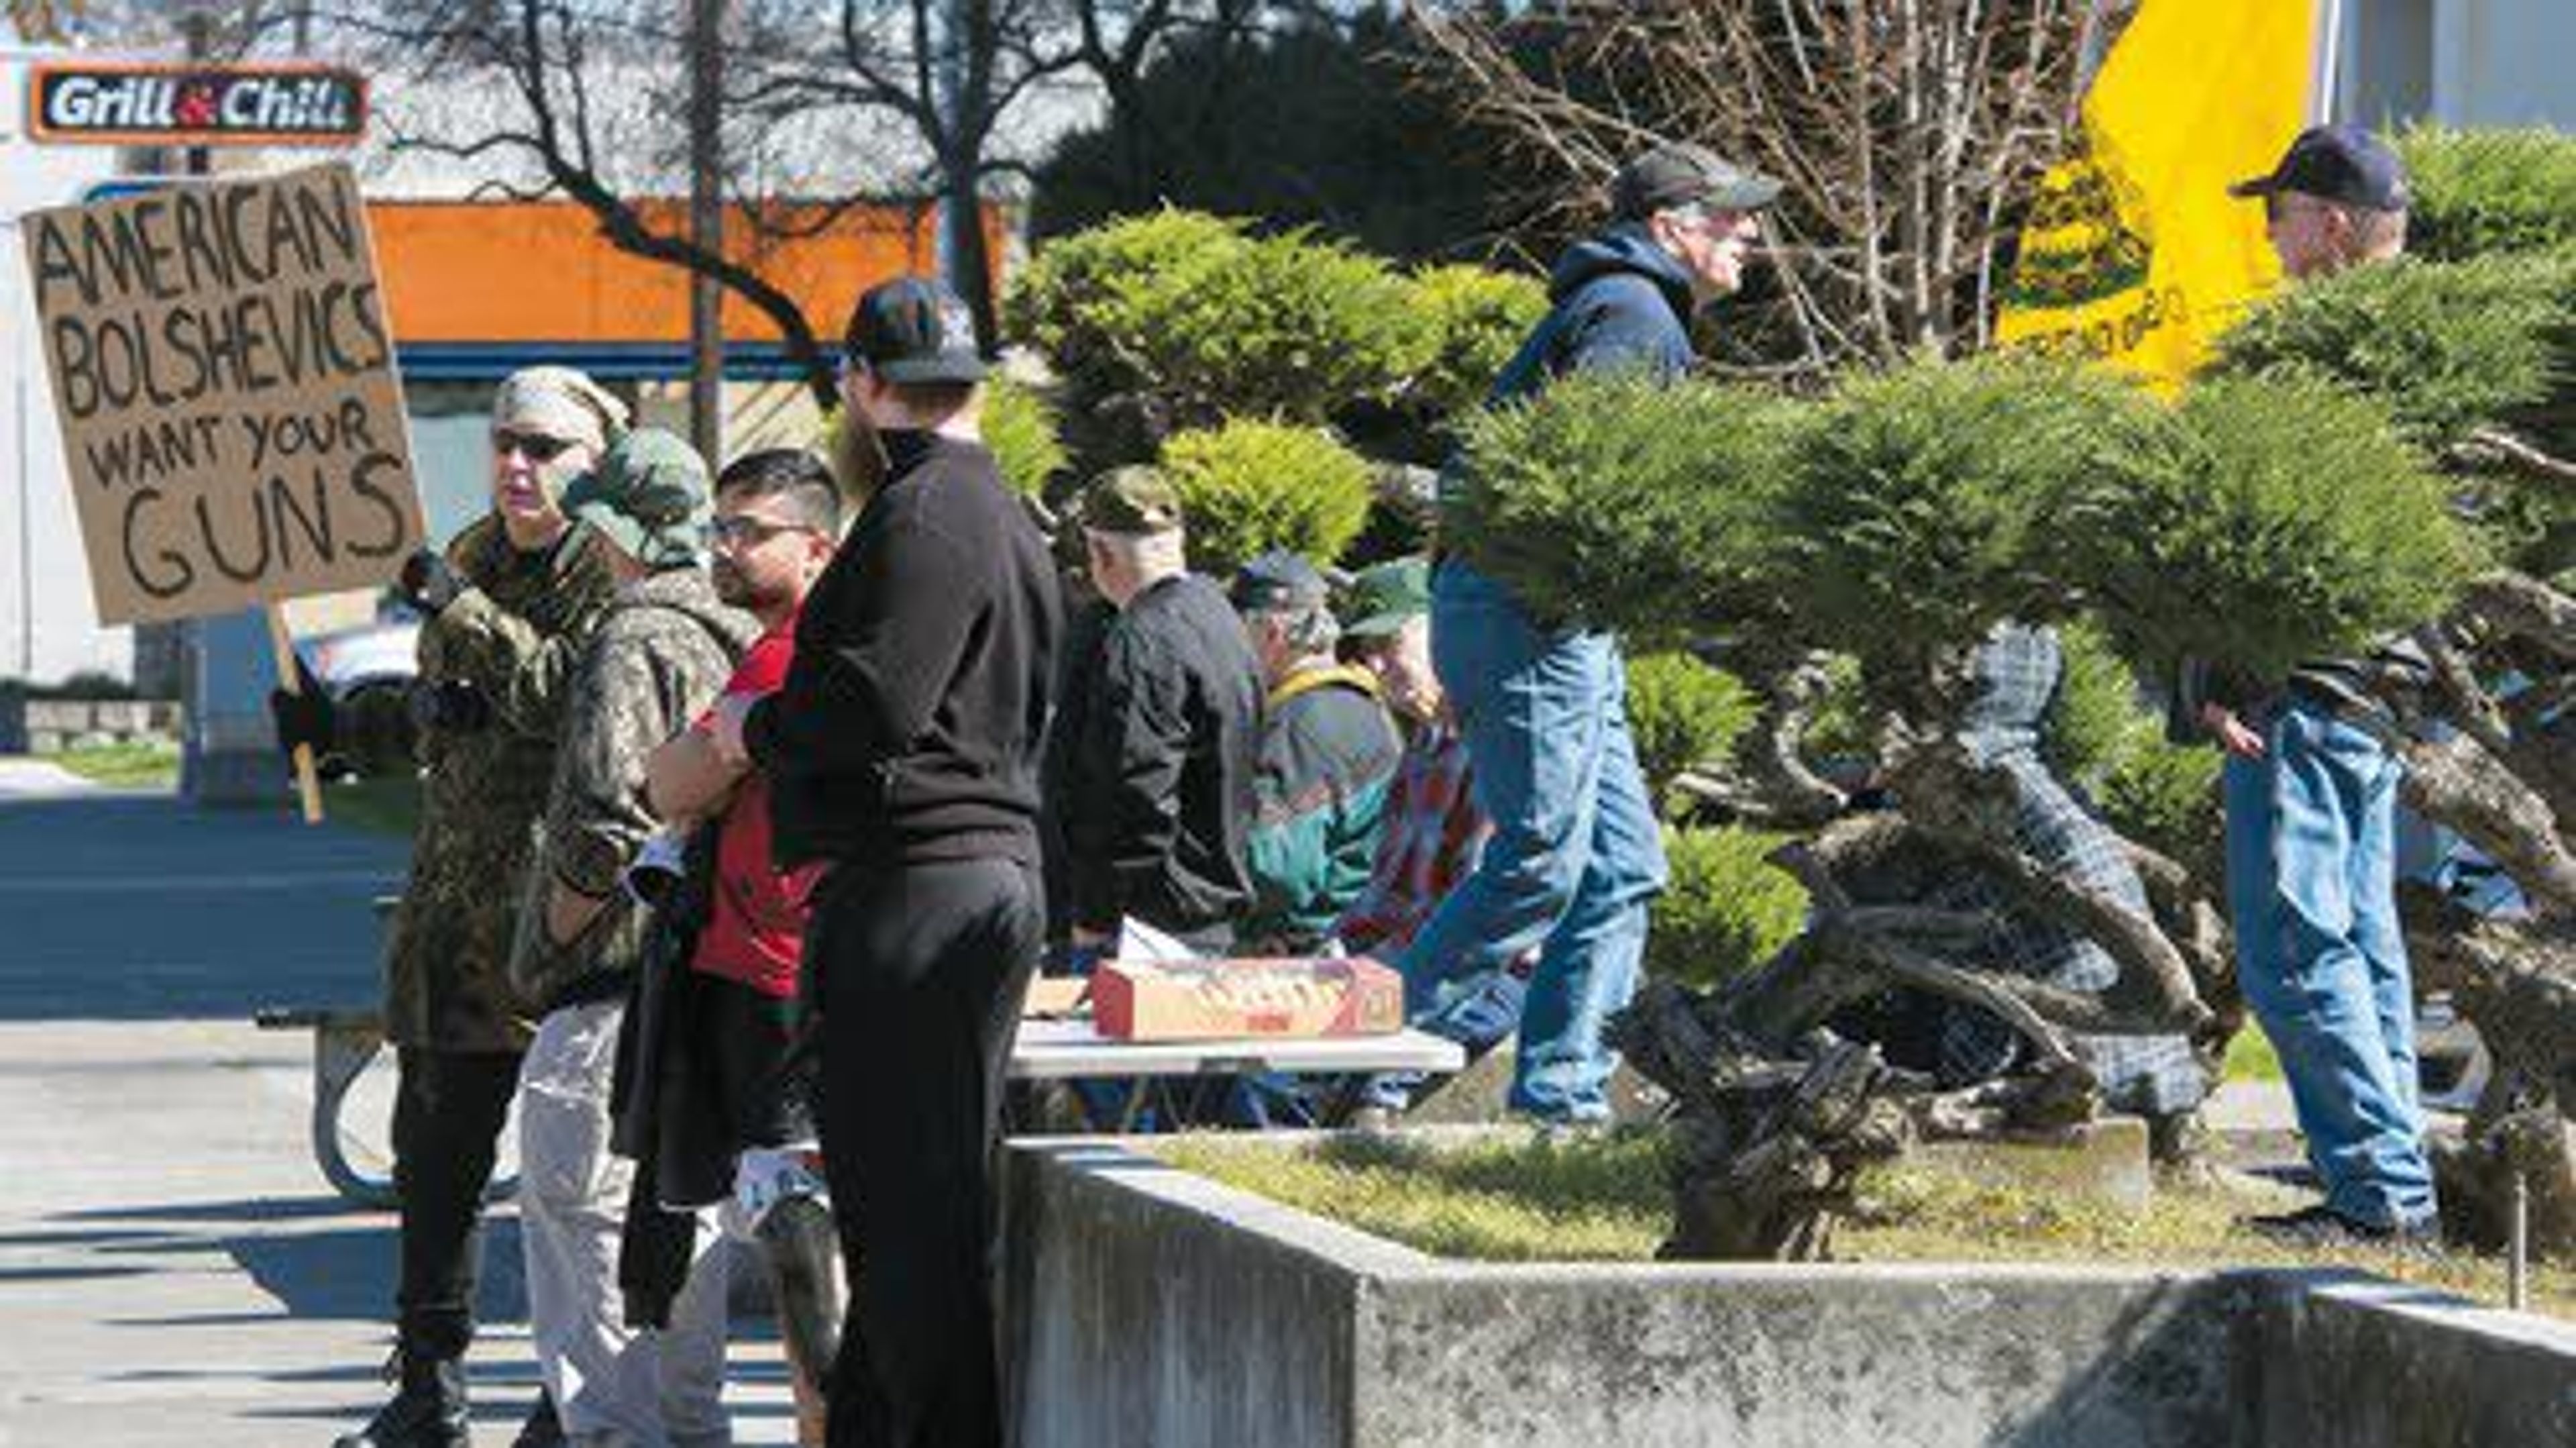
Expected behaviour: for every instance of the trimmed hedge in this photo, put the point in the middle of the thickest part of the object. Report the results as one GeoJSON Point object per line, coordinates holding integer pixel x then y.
{"type": "Point", "coordinates": [2101, 738]}
{"type": "Point", "coordinates": [2448, 348]}
{"type": "Point", "coordinates": [1726, 910]}
{"type": "Point", "coordinates": [2283, 519]}
{"type": "Point", "coordinates": [1611, 500]}
{"type": "Point", "coordinates": [1219, 322]}
{"type": "Point", "coordinates": [1927, 502]}
{"type": "Point", "coordinates": [1249, 487]}
{"type": "Point", "coordinates": [1477, 320]}
{"type": "Point", "coordinates": [2486, 191]}
{"type": "Point", "coordinates": [1684, 712]}
{"type": "Point", "coordinates": [1022, 428]}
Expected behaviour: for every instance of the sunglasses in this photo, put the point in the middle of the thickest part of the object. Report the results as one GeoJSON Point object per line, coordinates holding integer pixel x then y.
{"type": "Point", "coordinates": [536, 447]}
{"type": "Point", "coordinates": [744, 531]}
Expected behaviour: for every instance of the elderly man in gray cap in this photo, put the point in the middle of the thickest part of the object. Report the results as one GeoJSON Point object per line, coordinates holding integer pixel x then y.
{"type": "Point", "coordinates": [661, 655]}
{"type": "Point", "coordinates": [1574, 859]}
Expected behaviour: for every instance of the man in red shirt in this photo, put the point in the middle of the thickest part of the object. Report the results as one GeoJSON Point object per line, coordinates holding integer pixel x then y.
{"type": "Point", "coordinates": [734, 1123]}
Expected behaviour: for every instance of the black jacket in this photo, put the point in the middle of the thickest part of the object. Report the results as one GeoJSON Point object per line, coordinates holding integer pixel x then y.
{"type": "Point", "coordinates": [909, 726]}
{"type": "Point", "coordinates": [1161, 794]}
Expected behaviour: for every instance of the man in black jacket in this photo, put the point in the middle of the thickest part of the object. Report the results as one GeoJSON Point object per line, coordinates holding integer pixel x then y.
{"type": "Point", "coordinates": [902, 753]}
{"type": "Point", "coordinates": [1161, 798]}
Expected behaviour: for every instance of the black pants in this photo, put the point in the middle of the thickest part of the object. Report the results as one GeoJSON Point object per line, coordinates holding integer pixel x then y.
{"type": "Point", "coordinates": [449, 1107]}
{"type": "Point", "coordinates": [923, 970]}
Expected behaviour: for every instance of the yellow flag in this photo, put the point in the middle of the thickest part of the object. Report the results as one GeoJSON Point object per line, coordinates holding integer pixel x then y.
{"type": "Point", "coordinates": [2134, 253]}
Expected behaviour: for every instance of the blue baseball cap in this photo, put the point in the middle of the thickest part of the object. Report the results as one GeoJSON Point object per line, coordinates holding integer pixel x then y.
{"type": "Point", "coordinates": [2340, 163]}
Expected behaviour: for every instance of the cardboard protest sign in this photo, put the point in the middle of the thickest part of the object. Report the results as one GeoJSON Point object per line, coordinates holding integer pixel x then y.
{"type": "Point", "coordinates": [231, 416]}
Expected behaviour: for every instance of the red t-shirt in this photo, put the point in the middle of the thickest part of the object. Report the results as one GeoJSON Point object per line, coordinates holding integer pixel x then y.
{"type": "Point", "coordinates": [756, 933]}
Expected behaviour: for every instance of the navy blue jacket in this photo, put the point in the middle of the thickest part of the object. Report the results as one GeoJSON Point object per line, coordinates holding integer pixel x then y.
{"type": "Point", "coordinates": [1620, 301]}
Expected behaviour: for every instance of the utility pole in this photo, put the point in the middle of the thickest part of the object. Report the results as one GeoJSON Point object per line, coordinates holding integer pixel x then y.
{"type": "Point", "coordinates": [706, 227]}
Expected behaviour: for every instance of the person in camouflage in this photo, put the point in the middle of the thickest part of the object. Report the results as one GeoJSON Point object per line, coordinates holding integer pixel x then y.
{"type": "Point", "coordinates": [505, 608]}
{"type": "Point", "coordinates": [662, 653]}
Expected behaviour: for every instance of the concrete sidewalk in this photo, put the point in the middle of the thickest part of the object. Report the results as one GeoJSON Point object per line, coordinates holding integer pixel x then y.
{"type": "Point", "coordinates": [173, 1269]}
{"type": "Point", "coordinates": [174, 1272]}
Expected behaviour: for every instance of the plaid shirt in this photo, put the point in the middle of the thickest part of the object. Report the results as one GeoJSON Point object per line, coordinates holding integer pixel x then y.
{"type": "Point", "coordinates": [2020, 670]}
{"type": "Point", "coordinates": [1428, 841]}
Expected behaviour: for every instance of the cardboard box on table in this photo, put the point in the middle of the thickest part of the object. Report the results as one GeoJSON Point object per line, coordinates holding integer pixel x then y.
{"type": "Point", "coordinates": [1198, 1000]}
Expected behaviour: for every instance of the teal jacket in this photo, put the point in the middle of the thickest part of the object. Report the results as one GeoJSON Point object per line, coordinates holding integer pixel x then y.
{"type": "Point", "coordinates": [1328, 753]}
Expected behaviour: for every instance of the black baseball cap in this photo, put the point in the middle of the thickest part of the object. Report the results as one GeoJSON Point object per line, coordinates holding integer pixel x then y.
{"type": "Point", "coordinates": [1685, 173]}
{"type": "Point", "coordinates": [2344, 164]}
{"type": "Point", "coordinates": [913, 329]}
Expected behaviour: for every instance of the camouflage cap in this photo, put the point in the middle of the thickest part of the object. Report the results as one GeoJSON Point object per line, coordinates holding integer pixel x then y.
{"type": "Point", "coordinates": [648, 496]}
{"type": "Point", "coordinates": [1131, 500]}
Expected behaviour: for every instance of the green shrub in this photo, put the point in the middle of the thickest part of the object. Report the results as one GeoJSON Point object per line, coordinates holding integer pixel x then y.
{"type": "Point", "coordinates": [2485, 191]}
{"type": "Point", "coordinates": [1082, 298]}
{"type": "Point", "coordinates": [1477, 320]}
{"type": "Point", "coordinates": [1249, 487]}
{"type": "Point", "coordinates": [1684, 712]}
{"type": "Point", "coordinates": [1021, 427]}
{"type": "Point", "coordinates": [1921, 510]}
{"type": "Point", "coordinates": [2096, 718]}
{"type": "Point", "coordinates": [2101, 738]}
{"type": "Point", "coordinates": [1726, 910]}
{"type": "Point", "coordinates": [1220, 323]}
{"type": "Point", "coordinates": [2283, 519]}
{"type": "Point", "coordinates": [1844, 724]}
{"type": "Point", "coordinates": [2164, 796]}
{"type": "Point", "coordinates": [1614, 501]}
{"type": "Point", "coordinates": [2447, 348]}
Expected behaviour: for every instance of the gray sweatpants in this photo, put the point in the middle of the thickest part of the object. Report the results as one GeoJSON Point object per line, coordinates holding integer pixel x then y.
{"type": "Point", "coordinates": [614, 1387]}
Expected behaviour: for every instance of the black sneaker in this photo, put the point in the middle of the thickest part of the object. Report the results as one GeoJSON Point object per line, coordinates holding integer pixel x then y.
{"type": "Point", "coordinates": [429, 1412]}
{"type": "Point", "coordinates": [542, 1429]}
{"type": "Point", "coordinates": [2323, 1226]}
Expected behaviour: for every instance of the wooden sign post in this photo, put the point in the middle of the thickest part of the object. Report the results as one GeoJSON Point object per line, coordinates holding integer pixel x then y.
{"type": "Point", "coordinates": [232, 419]}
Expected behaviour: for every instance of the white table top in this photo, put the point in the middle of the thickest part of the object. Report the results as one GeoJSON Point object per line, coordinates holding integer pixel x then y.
{"type": "Point", "coordinates": [1059, 1049]}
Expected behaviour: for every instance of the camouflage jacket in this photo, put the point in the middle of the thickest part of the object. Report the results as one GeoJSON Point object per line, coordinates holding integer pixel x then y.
{"type": "Point", "coordinates": [660, 657]}
{"type": "Point", "coordinates": [512, 637]}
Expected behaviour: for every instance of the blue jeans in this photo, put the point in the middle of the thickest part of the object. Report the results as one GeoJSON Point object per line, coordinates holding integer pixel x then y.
{"type": "Point", "coordinates": [1574, 859]}
{"type": "Point", "coordinates": [2311, 860]}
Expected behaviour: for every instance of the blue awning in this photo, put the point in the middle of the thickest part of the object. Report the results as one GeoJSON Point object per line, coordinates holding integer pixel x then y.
{"type": "Point", "coordinates": [608, 361]}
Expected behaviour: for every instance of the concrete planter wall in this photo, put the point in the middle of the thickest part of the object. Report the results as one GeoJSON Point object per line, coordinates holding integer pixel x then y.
{"type": "Point", "coordinates": [41, 726]}
{"type": "Point", "coordinates": [1147, 1307]}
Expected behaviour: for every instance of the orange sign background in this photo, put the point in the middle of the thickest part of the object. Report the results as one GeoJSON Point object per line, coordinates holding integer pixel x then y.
{"type": "Point", "coordinates": [542, 271]}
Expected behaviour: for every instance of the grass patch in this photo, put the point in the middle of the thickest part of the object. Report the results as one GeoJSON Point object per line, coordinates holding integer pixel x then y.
{"type": "Point", "coordinates": [1605, 1200]}
{"type": "Point", "coordinates": [122, 766]}
{"type": "Point", "coordinates": [2250, 1057]}
{"type": "Point", "coordinates": [382, 804]}
{"type": "Point", "coordinates": [1598, 1200]}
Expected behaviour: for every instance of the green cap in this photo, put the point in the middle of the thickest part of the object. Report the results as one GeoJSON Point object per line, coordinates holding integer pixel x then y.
{"type": "Point", "coordinates": [649, 496]}
{"type": "Point", "coordinates": [1133, 499]}
{"type": "Point", "coordinates": [1383, 597]}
